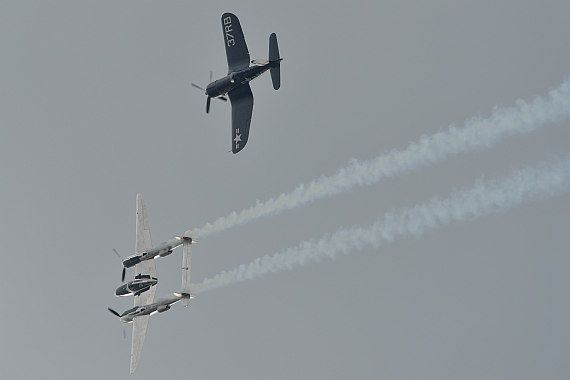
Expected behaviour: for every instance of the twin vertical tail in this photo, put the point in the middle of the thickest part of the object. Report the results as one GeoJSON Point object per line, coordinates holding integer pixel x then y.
{"type": "Point", "coordinates": [274, 61]}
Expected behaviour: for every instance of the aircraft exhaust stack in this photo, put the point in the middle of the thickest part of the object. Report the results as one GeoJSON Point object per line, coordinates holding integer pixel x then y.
{"type": "Point", "coordinates": [274, 61]}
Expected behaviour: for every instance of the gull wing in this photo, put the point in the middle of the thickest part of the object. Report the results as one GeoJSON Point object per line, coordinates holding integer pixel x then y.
{"type": "Point", "coordinates": [143, 243]}
{"type": "Point", "coordinates": [236, 48]}
{"type": "Point", "coordinates": [242, 108]}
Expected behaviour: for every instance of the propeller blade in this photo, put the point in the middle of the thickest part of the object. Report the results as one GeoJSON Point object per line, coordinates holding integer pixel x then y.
{"type": "Point", "coordinates": [114, 312]}
{"type": "Point", "coordinates": [223, 98]}
{"type": "Point", "coordinates": [123, 274]}
{"type": "Point", "coordinates": [124, 332]}
{"type": "Point", "coordinates": [208, 104]}
{"type": "Point", "coordinates": [211, 74]}
{"type": "Point", "coordinates": [195, 85]}
{"type": "Point", "coordinates": [117, 253]}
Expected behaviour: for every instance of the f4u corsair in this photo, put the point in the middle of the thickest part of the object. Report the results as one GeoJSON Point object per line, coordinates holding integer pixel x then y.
{"type": "Point", "coordinates": [236, 83]}
{"type": "Point", "coordinates": [143, 287]}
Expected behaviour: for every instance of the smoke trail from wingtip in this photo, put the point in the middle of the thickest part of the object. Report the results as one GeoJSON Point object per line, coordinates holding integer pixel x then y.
{"type": "Point", "coordinates": [544, 180]}
{"type": "Point", "coordinates": [477, 133]}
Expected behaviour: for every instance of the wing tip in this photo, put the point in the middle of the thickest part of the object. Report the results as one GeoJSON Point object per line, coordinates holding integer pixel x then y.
{"type": "Point", "coordinates": [133, 365]}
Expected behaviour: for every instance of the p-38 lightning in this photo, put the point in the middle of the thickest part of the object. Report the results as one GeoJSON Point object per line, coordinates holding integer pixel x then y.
{"type": "Point", "coordinates": [240, 73]}
{"type": "Point", "coordinates": [143, 287]}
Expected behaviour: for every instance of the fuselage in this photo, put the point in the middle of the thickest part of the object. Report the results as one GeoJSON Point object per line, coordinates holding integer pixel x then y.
{"type": "Point", "coordinates": [224, 85]}
{"type": "Point", "coordinates": [161, 250]}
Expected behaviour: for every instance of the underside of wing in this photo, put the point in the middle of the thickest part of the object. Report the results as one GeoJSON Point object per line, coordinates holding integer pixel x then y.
{"type": "Point", "coordinates": [236, 48]}
{"type": "Point", "coordinates": [140, 325]}
{"type": "Point", "coordinates": [143, 244]}
{"type": "Point", "coordinates": [143, 241]}
{"type": "Point", "coordinates": [242, 108]}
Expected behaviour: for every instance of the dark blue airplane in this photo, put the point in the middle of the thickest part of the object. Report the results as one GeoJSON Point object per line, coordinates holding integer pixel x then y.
{"type": "Point", "coordinates": [236, 83]}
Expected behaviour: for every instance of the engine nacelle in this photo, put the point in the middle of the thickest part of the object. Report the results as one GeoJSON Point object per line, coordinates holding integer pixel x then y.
{"type": "Point", "coordinates": [131, 261]}
{"type": "Point", "coordinates": [162, 309]}
{"type": "Point", "coordinates": [165, 253]}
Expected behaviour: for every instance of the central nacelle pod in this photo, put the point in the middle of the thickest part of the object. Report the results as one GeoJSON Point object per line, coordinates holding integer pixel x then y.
{"type": "Point", "coordinates": [136, 287]}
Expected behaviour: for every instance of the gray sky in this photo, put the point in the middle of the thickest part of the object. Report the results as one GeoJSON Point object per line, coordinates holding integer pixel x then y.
{"type": "Point", "coordinates": [96, 106]}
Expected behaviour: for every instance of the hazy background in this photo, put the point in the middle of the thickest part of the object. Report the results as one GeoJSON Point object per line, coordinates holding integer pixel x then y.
{"type": "Point", "coordinates": [96, 105]}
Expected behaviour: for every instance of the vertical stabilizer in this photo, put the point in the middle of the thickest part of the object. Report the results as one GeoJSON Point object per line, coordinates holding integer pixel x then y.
{"type": "Point", "coordinates": [186, 267]}
{"type": "Point", "coordinates": [274, 61]}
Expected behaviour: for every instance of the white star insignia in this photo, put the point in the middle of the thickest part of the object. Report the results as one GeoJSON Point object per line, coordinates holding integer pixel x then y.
{"type": "Point", "coordinates": [237, 139]}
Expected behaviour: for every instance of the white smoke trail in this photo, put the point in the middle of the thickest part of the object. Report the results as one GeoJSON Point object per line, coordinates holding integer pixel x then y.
{"type": "Point", "coordinates": [476, 134]}
{"type": "Point", "coordinates": [486, 197]}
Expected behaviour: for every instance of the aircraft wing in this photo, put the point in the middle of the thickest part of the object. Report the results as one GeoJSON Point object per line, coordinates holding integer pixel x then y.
{"type": "Point", "coordinates": [143, 243]}
{"type": "Point", "coordinates": [140, 325]}
{"type": "Point", "coordinates": [236, 48]}
{"type": "Point", "coordinates": [242, 107]}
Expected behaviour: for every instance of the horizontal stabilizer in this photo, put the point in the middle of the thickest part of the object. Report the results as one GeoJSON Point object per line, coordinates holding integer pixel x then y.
{"type": "Point", "coordinates": [186, 267]}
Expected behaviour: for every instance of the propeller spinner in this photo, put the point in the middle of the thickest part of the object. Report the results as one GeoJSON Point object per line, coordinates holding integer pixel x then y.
{"type": "Point", "coordinates": [209, 97]}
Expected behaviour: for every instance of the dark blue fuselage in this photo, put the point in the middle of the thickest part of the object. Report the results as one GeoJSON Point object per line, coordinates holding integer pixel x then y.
{"type": "Point", "coordinates": [235, 79]}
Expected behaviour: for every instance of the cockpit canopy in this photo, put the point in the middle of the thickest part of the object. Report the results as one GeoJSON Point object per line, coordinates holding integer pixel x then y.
{"type": "Point", "coordinates": [138, 285]}
{"type": "Point", "coordinates": [260, 62]}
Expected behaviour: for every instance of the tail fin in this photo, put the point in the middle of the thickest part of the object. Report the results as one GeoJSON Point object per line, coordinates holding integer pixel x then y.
{"type": "Point", "coordinates": [274, 61]}
{"type": "Point", "coordinates": [186, 266]}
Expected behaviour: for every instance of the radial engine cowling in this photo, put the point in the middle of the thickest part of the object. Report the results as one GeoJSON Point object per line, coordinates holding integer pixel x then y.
{"type": "Point", "coordinates": [162, 309]}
